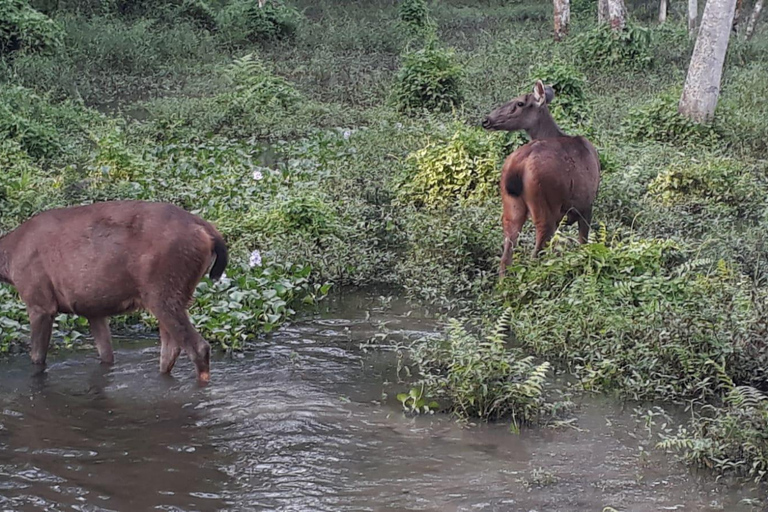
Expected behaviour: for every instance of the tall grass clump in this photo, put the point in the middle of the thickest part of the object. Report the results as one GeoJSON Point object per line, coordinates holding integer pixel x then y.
{"type": "Point", "coordinates": [478, 377]}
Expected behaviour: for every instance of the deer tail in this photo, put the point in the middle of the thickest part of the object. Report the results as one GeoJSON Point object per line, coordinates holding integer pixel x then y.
{"type": "Point", "coordinates": [220, 250]}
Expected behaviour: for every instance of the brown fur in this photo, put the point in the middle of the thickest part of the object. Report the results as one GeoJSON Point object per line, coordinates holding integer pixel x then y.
{"type": "Point", "coordinates": [551, 177]}
{"type": "Point", "coordinates": [111, 258]}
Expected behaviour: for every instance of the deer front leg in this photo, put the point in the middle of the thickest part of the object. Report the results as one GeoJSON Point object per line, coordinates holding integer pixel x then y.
{"type": "Point", "coordinates": [41, 324]}
{"type": "Point", "coordinates": [102, 338]}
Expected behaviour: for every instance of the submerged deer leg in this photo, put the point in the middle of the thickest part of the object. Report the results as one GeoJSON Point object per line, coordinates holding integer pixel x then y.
{"type": "Point", "coordinates": [513, 219]}
{"type": "Point", "coordinates": [169, 351]}
{"type": "Point", "coordinates": [102, 338]}
{"type": "Point", "coordinates": [41, 323]}
{"type": "Point", "coordinates": [179, 333]}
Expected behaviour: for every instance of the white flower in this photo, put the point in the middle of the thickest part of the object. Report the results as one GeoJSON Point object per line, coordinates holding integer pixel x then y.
{"type": "Point", "coordinates": [255, 260]}
{"type": "Point", "coordinates": [347, 134]}
{"type": "Point", "coordinates": [257, 175]}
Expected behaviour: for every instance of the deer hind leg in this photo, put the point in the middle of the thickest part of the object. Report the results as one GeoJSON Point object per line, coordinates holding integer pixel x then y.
{"type": "Point", "coordinates": [585, 219]}
{"type": "Point", "coordinates": [170, 349]}
{"type": "Point", "coordinates": [177, 333]}
{"type": "Point", "coordinates": [102, 338]}
{"type": "Point", "coordinates": [514, 217]}
{"type": "Point", "coordinates": [546, 225]}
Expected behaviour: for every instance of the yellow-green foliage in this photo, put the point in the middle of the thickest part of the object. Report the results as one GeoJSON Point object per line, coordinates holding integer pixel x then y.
{"type": "Point", "coordinates": [720, 181]}
{"type": "Point", "coordinates": [465, 168]}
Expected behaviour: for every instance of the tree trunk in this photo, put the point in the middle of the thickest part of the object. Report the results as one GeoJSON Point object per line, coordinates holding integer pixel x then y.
{"type": "Point", "coordinates": [693, 16]}
{"type": "Point", "coordinates": [737, 16]}
{"type": "Point", "coordinates": [753, 19]}
{"type": "Point", "coordinates": [663, 7]}
{"type": "Point", "coordinates": [702, 85]}
{"type": "Point", "coordinates": [617, 14]}
{"type": "Point", "coordinates": [562, 18]}
{"type": "Point", "coordinates": [602, 11]}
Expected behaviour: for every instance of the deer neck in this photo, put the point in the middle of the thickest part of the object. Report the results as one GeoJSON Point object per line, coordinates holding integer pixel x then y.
{"type": "Point", "coordinates": [545, 128]}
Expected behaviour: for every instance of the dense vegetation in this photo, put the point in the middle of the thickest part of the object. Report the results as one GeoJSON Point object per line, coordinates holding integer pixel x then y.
{"type": "Point", "coordinates": [338, 143]}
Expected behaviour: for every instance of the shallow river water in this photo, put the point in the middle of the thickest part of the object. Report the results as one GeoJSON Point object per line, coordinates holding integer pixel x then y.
{"type": "Point", "coordinates": [300, 424]}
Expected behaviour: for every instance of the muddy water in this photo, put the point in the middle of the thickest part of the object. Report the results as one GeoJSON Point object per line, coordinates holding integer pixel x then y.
{"type": "Point", "coordinates": [300, 424]}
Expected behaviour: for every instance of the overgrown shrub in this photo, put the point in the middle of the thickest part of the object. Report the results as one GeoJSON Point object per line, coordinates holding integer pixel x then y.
{"type": "Point", "coordinates": [742, 109]}
{"type": "Point", "coordinates": [24, 28]}
{"type": "Point", "coordinates": [197, 12]}
{"type": "Point", "coordinates": [39, 126]}
{"type": "Point", "coordinates": [480, 378]}
{"type": "Point", "coordinates": [738, 187]}
{"type": "Point", "coordinates": [463, 169]}
{"type": "Point", "coordinates": [429, 78]}
{"type": "Point", "coordinates": [729, 440]}
{"type": "Point", "coordinates": [604, 48]}
{"type": "Point", "coordinates": [243, 21]}
{"type": "Point", "coordinates": [659, 120]}
{"type": "Point", "coordinates": [632, 316]}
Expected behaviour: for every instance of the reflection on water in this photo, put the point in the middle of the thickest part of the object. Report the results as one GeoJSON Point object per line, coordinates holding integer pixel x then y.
{"type": "Point", "coordinates": [299, 424]}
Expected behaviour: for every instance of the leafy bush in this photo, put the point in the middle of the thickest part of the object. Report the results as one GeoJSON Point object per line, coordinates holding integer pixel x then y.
{"type": "Point", "coordinates": [256, 87]}
{"type": "Point", "coordinates": [659, 120]}
{"type": "Point", "coordinates": [584, 7]}
{"type": "Point", "coordinates": [712, 181]}
{"type": "Point", "coordinates": [604, 48]}
{"type": "Point", "coordinates": [198, 12]}
{"type": "Point", "coordinates": [243, 21]}
{"type": "Point", "coordinates": [730, 440]}
{"type": "Point", "coordinates": [307, 214]}
{"type": "Point", "coordinates": [633, 317]}
{"type": "Point", "coordinates": [462, 169]}
{"type": "Point", "coordinates": [14, 324]}
{"type": "Point", "coordinates": [450, 256]}
{"type": "Point", "coordinates": [481, 378]}
{"type": "Point", "coordinates": [414, 13]}
{"type": "Point", "coordinates": [24, 28]}
{"type": "Point", "coordinates": [429, 78]}
{"type": "Point", "coordinates": [568, 83]}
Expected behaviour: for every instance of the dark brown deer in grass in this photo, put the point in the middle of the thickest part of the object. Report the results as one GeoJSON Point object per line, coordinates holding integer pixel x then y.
{"type": "Point", "coordinates": [111, 258]}
{"type": "Point", "coordinates": [551, 177]}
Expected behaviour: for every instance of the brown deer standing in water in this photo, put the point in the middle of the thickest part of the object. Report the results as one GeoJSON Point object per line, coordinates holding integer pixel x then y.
{"type": "Point", "coordinates": [552, 176]}
{"type": "Point", "coordinates": [111, 258]}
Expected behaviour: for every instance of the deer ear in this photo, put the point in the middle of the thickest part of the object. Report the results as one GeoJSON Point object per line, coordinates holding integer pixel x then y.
{"type": "Point", "coordinates": [539, 93]}
{"type": "Point", "coordinates": [549, 93]}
